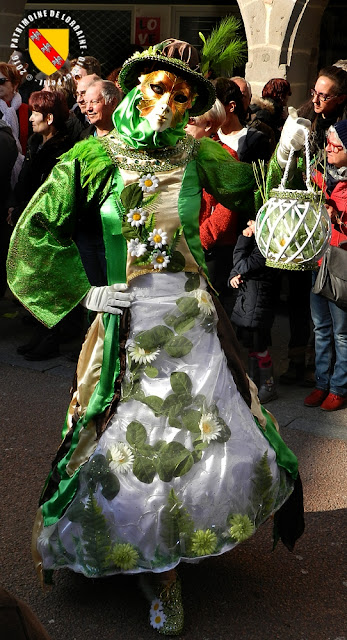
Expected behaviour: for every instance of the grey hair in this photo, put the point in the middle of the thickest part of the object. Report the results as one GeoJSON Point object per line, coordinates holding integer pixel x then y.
{"type": "Point", "coordinates": [216, 115]}
{"type": "Point", "coordinates": [342, 64]}
{"type": "Point", "coordinates": [246, 81]}
{"type": "Point", "coordinates": [109, 91]}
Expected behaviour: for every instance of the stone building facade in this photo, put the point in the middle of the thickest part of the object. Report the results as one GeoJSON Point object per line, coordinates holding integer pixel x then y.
{"type": "Point", "coordinates": [283, 36]}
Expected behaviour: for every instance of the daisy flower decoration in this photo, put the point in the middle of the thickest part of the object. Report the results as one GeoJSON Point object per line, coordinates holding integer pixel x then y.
{"type": "Point", "coordinates": [209, 427]}
{"type": "Point", "coordinates": [156, 606]}
{"type": "Point", "coordinates": [136, 248]}
{"type": "Point", "coordinates": [160, 260]}
{"type": "Point", "coordinates": [122, 458]}
{"type": "Point", "coordinates": [136, 217]}
{"type": "Point", "coordinates": [157, 619]}
{"type": "Point", "coordinates": [45, 535]}
{"type": "Point", "coordinates": [140, 355]}
{"type": "Point", "coordinates": [149, 183]}
{"type": "Point", "coordinates": [205, 302]}
{"type": "Point", "coordinates": [157, 238]}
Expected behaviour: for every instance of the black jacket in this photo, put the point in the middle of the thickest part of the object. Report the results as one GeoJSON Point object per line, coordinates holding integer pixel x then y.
{"type": "Point", "coordinates": [39, 162]}
{"type": "Point", "coordinates": [256, 296]}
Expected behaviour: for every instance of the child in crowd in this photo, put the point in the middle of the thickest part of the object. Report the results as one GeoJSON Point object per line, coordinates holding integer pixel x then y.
{"type": "Point", "coordinates": [253, 311]}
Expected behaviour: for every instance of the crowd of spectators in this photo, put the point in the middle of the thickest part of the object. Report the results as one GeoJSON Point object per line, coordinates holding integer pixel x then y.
{"type": "Point", "coordinates": [38, 123]}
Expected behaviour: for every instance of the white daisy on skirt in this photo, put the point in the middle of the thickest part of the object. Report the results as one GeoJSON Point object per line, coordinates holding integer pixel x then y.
{"type": "Point", "coordinates": [209, 427]}
{"type": "Point", "coordinates": [136, 248]}
{"type": "Point", "coordinates": [122, 458]}
{"type": "Point", "coordinates": [136, 216]}
{"type": "Point", "coordinates": [160, 260]}
{"type": "Point", "coordinates": [140, 355]}
{"type": "Point", "coordinates": [205, 302]}
{"type": "Point", "coordinates": [157, 238]}
{"type": "Point", "coordinates": [45, 535]}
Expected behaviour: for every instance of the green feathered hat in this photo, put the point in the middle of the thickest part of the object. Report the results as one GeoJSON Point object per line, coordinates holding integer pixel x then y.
{"type": "Point", "coordinates": [177, 57]}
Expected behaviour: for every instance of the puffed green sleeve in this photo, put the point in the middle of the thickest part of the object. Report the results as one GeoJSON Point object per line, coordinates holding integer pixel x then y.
{"type": "Point", "coordinates": [44, 267]}
{"type": "Point", "coordinates": [231, 182]}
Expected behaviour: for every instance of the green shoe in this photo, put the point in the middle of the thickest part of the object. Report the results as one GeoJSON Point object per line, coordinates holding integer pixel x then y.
{"type": "Point", "coordinates": [166, 613]}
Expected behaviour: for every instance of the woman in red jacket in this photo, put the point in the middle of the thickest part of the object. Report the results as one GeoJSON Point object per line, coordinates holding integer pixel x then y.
{"type": "Point", "coordinates": [330, 319]}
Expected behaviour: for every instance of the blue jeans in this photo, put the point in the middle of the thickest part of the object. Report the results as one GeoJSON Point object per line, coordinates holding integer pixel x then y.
{"type": "Point", "coordinates": [330, 329]}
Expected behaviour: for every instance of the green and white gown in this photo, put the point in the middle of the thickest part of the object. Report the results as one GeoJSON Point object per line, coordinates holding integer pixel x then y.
{"type": "Point", "coordinates": [162, 459]}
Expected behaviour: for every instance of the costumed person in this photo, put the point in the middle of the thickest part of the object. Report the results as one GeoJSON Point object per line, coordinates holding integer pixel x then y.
{"type": "Point", "coordinates": [164, 459]}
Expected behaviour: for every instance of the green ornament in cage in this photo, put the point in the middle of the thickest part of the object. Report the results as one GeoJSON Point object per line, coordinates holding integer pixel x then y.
{"type": "Point", "coordinates": [293, 228]}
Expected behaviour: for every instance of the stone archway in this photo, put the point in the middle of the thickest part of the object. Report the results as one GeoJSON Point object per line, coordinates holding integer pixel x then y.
{"type": "Point", "coordinates": [283, 39]}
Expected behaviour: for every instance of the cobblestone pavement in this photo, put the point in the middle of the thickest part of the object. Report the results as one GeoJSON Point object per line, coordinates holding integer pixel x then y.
{"type": "Point", "coordinates": [251, 593]}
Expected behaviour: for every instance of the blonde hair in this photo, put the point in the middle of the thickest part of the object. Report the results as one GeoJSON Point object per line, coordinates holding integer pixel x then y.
{"type": "Point", "coordinates": [216, 115]}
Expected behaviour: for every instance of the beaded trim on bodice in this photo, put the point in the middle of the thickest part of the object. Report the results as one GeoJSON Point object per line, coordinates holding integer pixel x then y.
{"type": "Point", "coordinates": [149, 160]}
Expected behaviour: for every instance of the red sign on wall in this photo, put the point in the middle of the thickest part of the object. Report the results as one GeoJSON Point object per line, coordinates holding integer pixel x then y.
{"type": "Point", "coordinates": [147, 31]}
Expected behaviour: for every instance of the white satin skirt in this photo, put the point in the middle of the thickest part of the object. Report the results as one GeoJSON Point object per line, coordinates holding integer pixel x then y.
{"type": "Point", "coordinates": [183, 470]}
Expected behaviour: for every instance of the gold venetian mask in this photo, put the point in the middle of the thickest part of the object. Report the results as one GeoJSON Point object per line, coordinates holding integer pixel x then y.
{"type": "Point", "coordinates": [166, 97]}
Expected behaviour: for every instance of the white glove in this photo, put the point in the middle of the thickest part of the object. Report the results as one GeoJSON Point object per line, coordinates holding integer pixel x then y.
{"type": "Point", "coordinates": [108, 299]}
{"type": "Point", "coordinates": [293, 135]}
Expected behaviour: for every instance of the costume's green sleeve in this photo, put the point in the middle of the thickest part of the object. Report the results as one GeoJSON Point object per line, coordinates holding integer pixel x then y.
{"type": "Point", "coordinates": [231, 182]}
{"type": "Point", "coordinates": [44, 267]}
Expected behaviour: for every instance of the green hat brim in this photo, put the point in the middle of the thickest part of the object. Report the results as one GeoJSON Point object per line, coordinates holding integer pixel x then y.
{"type": "Point", "coordinates": [129, 78]}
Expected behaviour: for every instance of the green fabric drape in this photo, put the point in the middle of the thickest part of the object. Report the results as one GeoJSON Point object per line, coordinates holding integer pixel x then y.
{"type": "Point", "coordinates": [285, 458]}
{"type": "Point", "coordinates": [189, 203]}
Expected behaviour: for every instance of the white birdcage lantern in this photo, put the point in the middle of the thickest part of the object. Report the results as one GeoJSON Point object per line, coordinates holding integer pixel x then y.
{"type": "Point", "coordinates": [293, 228]}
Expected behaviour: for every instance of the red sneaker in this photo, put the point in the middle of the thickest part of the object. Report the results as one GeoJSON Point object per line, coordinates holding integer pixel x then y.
{"type": "Point", "coordinates": [333, 402]}
{"type": "Point", "coordinates": [315, 398]}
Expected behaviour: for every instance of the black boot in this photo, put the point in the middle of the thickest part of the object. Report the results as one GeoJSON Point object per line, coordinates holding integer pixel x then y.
{"type": "Point", "coordinates": [267, 387]}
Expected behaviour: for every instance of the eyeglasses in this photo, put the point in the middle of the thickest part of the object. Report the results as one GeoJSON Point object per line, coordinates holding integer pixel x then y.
{"type": "Point", "coordinates": [322, 97]}
{"type": "Point", "coordinates": [334, 147]}
{"type": "Point", "coordinates": [3, 80]}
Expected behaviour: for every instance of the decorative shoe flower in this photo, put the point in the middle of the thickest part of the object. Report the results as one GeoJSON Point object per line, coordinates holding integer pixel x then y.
{"type": "Point", "coordinates": [149, 183]}
{"type": "Point", "coordinates": [241, 527]}
{"type": "Point", "coordinates": [209, 427]}
{"type": "Point", "coordinates": [137, 248]}
{"type": "Point", "coordinates": [205, 302]}
{"type": "Point", "coordinates": [157, 619]}
{"type": "Point", "coordinates": [140, 355]}
{"type": "Point", "coordinates": [137, 216]}
{"type": "Point", "coordinates": [124, 556]}
{"type": "Point", "coordinates": [156, 605]}
{"type": "Point", "coordinates": [122, 458]}
{"type": "Point", "coordinates": [157, 238]}
{"type": "Point", "coordinates": [204, 542]}
{"type": "Point", "coordinates": [160, 260]}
